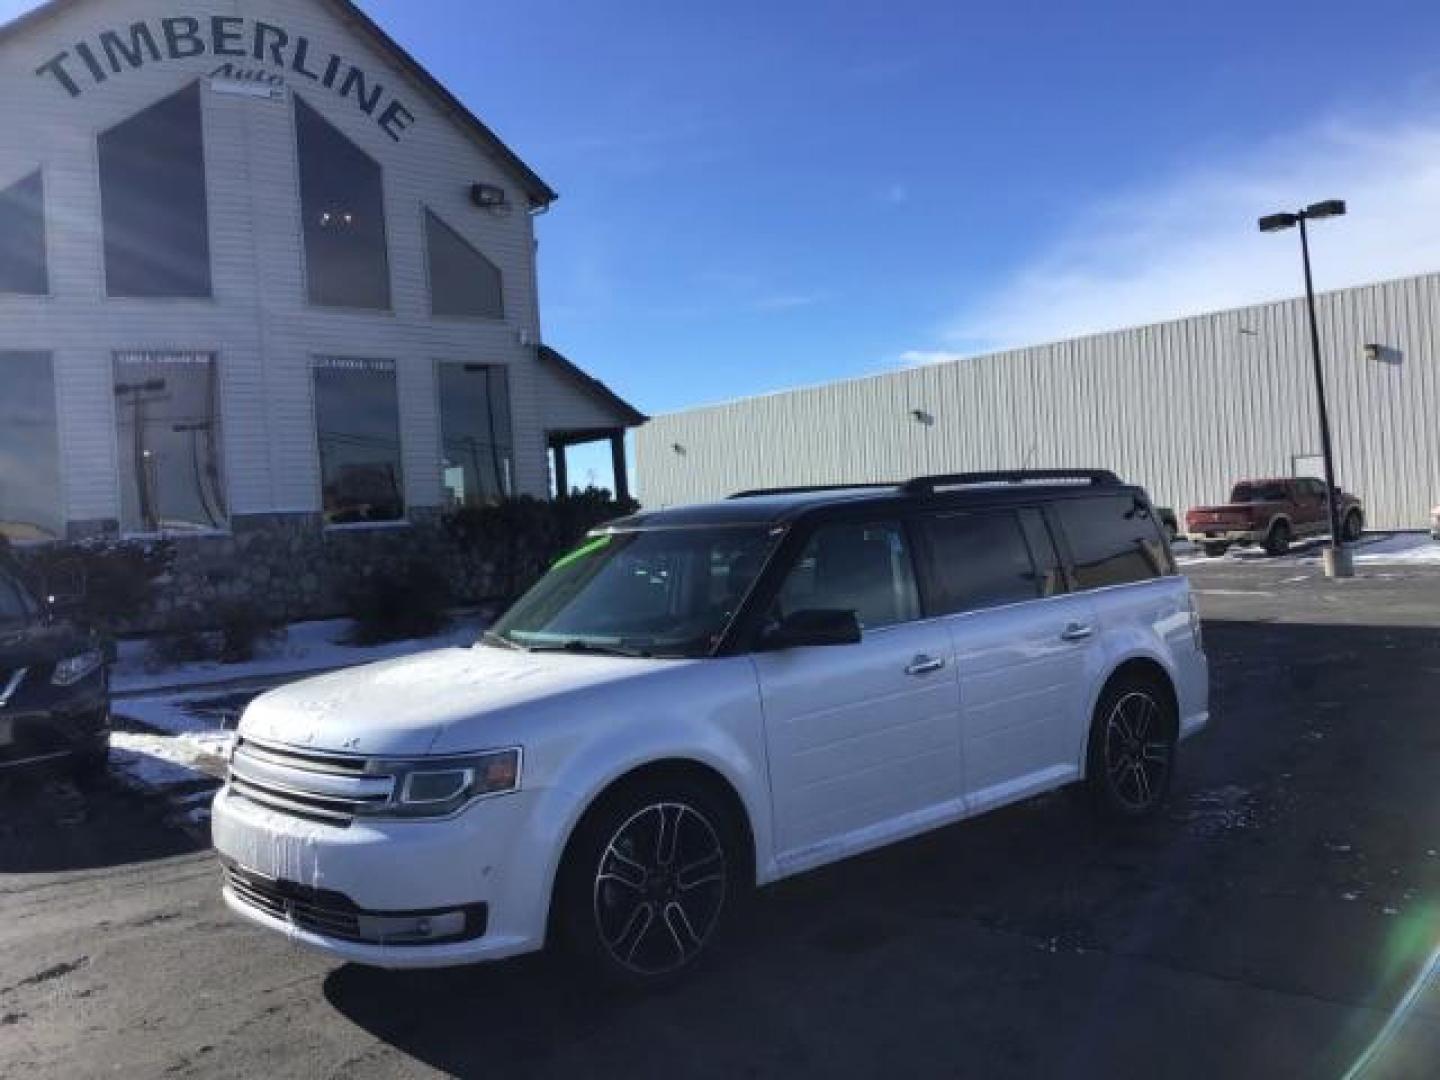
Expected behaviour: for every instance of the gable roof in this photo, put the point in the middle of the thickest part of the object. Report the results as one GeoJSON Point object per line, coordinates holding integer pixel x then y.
{"type": "Point", "coordinates": [539, 193]}
{"type": "Point", "coordinates": [624, 412]}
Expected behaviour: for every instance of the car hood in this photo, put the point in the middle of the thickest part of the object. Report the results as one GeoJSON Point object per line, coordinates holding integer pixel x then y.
{"type": "Point", "coordinates": [403, 707]}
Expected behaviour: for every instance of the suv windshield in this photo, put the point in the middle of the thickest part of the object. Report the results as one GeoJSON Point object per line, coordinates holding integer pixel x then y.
{"type": "Point", "coordinates": [659, 592]}
{"type": "Point", "coordinates": [1253, 493]}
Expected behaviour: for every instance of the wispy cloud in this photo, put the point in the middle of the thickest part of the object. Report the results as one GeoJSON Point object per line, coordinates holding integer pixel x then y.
{"type": "Point", "coordinates": [787, 301]}
{"type": "Point", "coordinates": [1188, 243]}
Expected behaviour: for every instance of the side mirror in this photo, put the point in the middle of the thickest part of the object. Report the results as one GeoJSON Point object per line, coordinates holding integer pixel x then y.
{"type": "Point", "coordinates": [816, 626]}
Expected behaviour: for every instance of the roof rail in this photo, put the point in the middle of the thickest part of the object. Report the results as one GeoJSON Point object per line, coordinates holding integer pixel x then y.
{"type": "Point", "coordinates": [804, 488]}
{"type": "Point", "coordinates": [924, 485]}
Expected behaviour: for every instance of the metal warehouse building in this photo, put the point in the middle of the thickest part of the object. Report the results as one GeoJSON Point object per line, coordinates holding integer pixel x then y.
{"type": "Point", "coordinates": [259, 270]}
{"type": "Point", "coordinates": [1183, 407]}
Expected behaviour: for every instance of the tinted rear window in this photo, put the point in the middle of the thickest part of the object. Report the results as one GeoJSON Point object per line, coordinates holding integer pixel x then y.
{"type": "Point", "coordinates": [1114, 540]}
{"type": "Point", "coordinates": [989, 558]}
{"type": "Point", "coordinates": [1250, 493]}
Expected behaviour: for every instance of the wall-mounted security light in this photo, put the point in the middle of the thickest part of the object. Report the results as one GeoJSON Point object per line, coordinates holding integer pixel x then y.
{"type": "Point", "coordinates": [487, 196]}
{"type": "Point", "coordinates": [680, 450]}
{"type": "Point", "coordinates": [922, 417]}
{"type": "Point", "coordinates": [1374, 352]}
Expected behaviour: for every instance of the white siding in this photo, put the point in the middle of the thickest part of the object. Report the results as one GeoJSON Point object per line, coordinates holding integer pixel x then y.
{"type": "Point", "coordinates": [566, 407]}
{"type": "Point", "coordinates": [1183, 407]}
{"type": "Point", "coordinates": [259, 322]}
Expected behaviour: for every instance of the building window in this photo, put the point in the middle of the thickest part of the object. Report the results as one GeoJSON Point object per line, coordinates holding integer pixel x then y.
{"type": "Point", "coordinates": [357, 421]}
{"type": "Point", "coordinates": [153, 204]}
{"type": "Point", "coordinates": [462, 281]}
{"type": "Point", "coordinates": [29, 449]}
{"type": "Point", "coordinates": [342, 206]}
{"type": "Point", "coordinates": [478, 461]}
{"type": "Point", "coordinates": [23, 266]}
{"type": "Point", "coordinates": [168, 442]}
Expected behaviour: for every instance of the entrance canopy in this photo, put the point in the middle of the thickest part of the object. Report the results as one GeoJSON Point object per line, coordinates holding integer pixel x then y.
{"type": "Point", "coordinates": [578, 408]}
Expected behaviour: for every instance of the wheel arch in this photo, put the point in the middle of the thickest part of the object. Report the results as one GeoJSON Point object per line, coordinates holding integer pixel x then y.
{"type": "Point", "coordinates": [692, 769]}
{"type": "Point", "coordinates": [1137, 665]}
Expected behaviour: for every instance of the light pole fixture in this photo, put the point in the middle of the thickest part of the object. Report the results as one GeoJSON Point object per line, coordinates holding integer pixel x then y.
{"type": "Point", "coordinates": [1337, 558]}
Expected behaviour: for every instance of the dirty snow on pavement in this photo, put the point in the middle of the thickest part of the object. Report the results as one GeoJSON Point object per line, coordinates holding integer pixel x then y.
{"type": "Point", "coordinates": [1380, 549]}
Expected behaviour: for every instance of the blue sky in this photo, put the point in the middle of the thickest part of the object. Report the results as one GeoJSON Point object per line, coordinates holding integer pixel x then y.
{"type": "Point", "coordinates": [758, 195]}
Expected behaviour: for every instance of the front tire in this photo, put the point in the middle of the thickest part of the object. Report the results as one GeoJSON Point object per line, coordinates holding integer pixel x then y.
{"type": "Point", "coordinates": [649, 880]}
{"type": "Point", "coordinates": [1353, 528]}
{"type": "Point", "coordinates": [1131, 755]}
{"type": "Point", "coordinates": [1277, 540]}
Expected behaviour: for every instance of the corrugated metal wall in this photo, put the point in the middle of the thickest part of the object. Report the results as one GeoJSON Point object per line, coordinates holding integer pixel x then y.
{"type": "Point", "coordinates": [1183, 407]}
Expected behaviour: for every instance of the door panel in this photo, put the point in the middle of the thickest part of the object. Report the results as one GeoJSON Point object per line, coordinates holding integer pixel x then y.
{"type": "Point", "coordinates": [1023, 719]}
{"type": "Point", "coordinates": [855, 738]}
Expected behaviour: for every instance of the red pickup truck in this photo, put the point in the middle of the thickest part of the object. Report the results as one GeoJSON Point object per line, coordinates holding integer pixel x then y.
{"type": "Point", "coordinates": [1272, 513]}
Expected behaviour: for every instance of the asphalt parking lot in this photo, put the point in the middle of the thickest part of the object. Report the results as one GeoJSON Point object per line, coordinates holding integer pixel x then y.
{"type": "Point", "coordinates": [1271, 924]}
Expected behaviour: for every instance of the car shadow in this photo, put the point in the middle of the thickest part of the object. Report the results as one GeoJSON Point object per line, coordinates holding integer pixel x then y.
{"type": "Point", "coordinates": [49, 824]}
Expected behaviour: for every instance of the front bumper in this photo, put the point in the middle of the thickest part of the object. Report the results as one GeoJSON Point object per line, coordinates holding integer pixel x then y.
{"type": "Point", "coordinates": [75, 725]}
{"type": "Point", "coordinates": [474, 861]}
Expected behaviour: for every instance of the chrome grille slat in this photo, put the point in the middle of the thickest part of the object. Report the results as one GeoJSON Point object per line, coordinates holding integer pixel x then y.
{"type": "Point", "coordinates": [310, 784]}
{"type": "Point", "coordinates": [314, 915]}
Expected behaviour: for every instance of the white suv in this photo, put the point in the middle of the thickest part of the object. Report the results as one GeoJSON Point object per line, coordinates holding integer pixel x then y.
{"type": "Point", "coordinates": [697, 700]}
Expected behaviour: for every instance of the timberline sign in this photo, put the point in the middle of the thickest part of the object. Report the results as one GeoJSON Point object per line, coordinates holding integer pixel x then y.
{"type": "Point", "coordinates": [230, 37]}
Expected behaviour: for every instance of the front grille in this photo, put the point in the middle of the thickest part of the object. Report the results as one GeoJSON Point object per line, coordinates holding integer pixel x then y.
{"type": "Point", "coordinates": [309, 784]}
{"type": "Point", "coordinates": [329, 913]}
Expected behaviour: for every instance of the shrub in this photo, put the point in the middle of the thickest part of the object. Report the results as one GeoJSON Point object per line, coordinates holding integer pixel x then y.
{"type": "Point", "coordinates": [245, 630]}
{"type": "Point", "coordinates": [408, 603]}
{"type": "Point", "coordinates": [239, 633]}
{"type": "Point", "coordinates": [518, 539]}
{"type": "Point", "coordinates": [115, 579]}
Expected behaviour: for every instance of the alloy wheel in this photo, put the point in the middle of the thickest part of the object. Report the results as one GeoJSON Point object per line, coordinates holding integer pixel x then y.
{"type": "Point", "coordinates": [1137, 750]}
{"type": "Point", "coordinates": [659, 889]}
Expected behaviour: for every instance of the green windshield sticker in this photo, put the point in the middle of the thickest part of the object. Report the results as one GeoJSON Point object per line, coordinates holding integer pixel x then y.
{"type": "Point", "coordinates": [580, 552]}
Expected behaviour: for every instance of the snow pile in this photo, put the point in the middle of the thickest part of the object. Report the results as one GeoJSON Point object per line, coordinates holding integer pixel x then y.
{"type": "Point", "coordinates": [1401, 549]}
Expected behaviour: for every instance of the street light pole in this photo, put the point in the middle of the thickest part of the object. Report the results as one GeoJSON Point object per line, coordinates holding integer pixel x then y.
{"type": "Point", "coordinates": [1337, 557]}
{"type": "Point", "coordinates": [1332, 504]}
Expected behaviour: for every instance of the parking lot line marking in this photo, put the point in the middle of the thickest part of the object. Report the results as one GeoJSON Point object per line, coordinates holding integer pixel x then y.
{"type": "Point", "coordinates": [1231, 592]}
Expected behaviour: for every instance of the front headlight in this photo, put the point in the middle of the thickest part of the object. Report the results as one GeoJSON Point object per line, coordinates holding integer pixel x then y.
{"type": "Point", "coordinates": [441, 786]}
{"type": "Point", "coordinates": [74, 668]}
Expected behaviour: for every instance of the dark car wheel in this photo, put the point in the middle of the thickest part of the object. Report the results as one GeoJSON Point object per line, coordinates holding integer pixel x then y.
{"type": "Point", "coordinates": [90, 767]}
{"type": "Point", "coordinates": [1131, 755]}
{"type": "Point", "coordinates": [1353, 528]}
{"type": "Point", "coordinates": [1214, 551]}
{"type": "Point", "coordinates": [649, 881]}
{"type": "Point", "coordinates": [1277, 541]}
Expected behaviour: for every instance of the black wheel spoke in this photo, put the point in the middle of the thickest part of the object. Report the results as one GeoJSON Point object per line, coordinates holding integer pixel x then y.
{"type": "Point", "coordinates": [659, 888]}
{"type": "Point", "coordinates": [1136, 756]}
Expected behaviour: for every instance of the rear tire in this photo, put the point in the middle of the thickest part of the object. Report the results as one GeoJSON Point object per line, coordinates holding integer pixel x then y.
{"type": "Point", "coordinates": [1214, 551]}
{"type": "Point", "coordinates": [1277, 540]}
{"type": "Point", "coordinates": [1354, 527]}
{"type": "Point", "coordinates": [1131, 755]}
{"type": "Point", "coordinates": [650, 879]}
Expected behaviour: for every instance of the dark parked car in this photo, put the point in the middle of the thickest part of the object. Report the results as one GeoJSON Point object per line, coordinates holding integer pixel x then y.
{"type": "Point", "coordinates": [1273, 513]}
{"type": "Point", "coordinates": [54, 686]}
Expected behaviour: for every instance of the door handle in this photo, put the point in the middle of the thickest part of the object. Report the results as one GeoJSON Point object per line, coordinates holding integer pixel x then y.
{"type": "Point", "coordinates": [924, 665]}
{"type": "Point", "coordinates": [1077, 632]}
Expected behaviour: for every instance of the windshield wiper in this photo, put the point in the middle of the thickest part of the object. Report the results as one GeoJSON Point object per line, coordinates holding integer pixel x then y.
{"type": "Point", "coordinates": [576, 645]}
{"type": "Point", "coordinates": [492, 638]}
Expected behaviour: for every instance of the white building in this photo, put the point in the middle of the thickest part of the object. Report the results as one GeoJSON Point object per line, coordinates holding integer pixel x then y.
{"type": "Point", "coordinates": [1185, 408]}
{"type": "Point", "coordinates": [258, 267]}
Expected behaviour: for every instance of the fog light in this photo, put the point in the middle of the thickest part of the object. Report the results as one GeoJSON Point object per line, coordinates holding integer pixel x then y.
{"type": "Point", "coordinates": [382, 929]}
